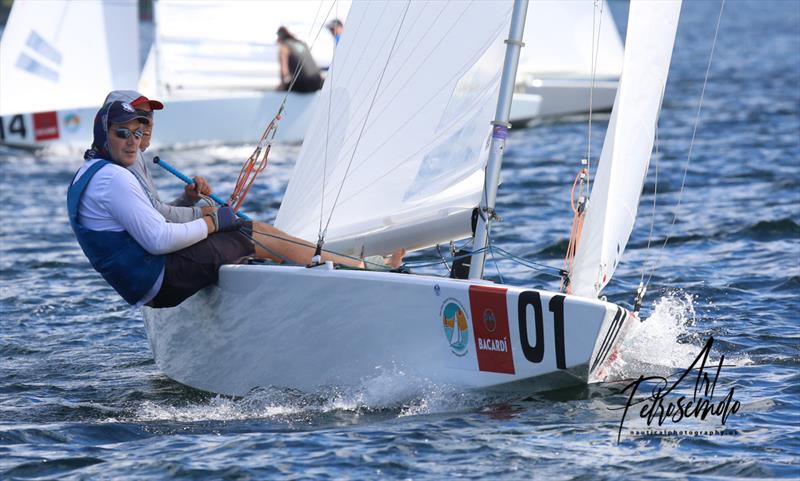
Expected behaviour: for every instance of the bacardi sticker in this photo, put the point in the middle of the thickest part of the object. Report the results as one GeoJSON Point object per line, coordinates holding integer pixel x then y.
{"type": "Point", "coordinates": [456, 326]}
{"type": "Point", "coordinates": [45, 126]}
{"type": "Point", "coordinates": [490, 326]}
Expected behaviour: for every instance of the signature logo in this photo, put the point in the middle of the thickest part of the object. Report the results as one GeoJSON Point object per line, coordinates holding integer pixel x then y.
{"type": "Point", "coordinates": [665, 404]}
{"type": "Point", "coordinates": [456, 329]}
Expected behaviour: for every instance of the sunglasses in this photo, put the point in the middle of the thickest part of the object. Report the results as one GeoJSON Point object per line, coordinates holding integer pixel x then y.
{"type": "Point", "coordinates": [124, 133]}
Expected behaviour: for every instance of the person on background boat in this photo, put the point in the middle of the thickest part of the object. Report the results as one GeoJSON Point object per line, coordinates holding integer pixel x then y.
{"type": "Point", "coordinates": [294, 54]}
{"type": "Point", "coordinates": [336, 27]}
{"type": "Point", "coordinates": [146, 259]}
{"type": "Point", "coordinates": [182, 209]}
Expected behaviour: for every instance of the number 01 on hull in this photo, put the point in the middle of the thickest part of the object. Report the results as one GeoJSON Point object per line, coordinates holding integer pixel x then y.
{"type": "Point", "coordinates": [307, 328]}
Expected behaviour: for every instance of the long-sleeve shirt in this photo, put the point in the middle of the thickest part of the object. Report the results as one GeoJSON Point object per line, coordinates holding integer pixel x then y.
{"type": "Point", "coordinates": [115, 201]}
{"type": "Point", "coordinates": [180, 210]}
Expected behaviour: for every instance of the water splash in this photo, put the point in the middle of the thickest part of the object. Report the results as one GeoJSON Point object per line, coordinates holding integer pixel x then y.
{"type": "Point", "coordinates": [662, 342]}
{"type": "Point", "coordinates": [390, 390]}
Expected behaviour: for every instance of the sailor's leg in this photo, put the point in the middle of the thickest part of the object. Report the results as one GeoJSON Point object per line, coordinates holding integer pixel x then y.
{"type": "Point", "coordinates": [274, 244]}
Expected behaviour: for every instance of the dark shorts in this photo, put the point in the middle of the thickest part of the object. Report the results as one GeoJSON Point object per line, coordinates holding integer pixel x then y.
{"type": "Point", "coordinates": [197, 266]}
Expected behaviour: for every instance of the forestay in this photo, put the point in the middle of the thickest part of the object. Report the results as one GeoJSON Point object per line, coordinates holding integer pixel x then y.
{"type": "Point", "coordinates": [66, 54]}
{"type": "Point", "coordinates": [628, 144]}
{"type": "Point", "coordinates": [208, 48]}
{"type": "Point", "coordinates": [400, 136]}
{"type": "Point", "coordinates": [558, 40]}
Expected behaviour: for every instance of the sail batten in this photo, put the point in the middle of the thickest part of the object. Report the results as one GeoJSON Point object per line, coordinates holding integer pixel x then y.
{"type": "Point", "coordinates": [423, 147]}
{"type": "Point", "coordinates": [617, 186]}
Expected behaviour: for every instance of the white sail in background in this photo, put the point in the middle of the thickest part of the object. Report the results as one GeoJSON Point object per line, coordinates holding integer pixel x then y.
{"type": "Point", "coordinates": [203, 46]}
{"type": "Point", "coordinates": [413, 157]}
{"type": "Point", "coordinates": [628, 144]}
{"type": "Point", "coordinates": [558, 40]}
{"type": "Point", "coordinates": [64, 54]}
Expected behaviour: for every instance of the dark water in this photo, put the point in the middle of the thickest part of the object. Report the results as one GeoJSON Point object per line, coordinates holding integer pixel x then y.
{"type": "Point", "coordinates": [81, 398]}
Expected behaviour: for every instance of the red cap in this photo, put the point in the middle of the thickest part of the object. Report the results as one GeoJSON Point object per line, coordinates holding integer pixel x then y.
{"type": "Point", "coordinates": [154, 104]}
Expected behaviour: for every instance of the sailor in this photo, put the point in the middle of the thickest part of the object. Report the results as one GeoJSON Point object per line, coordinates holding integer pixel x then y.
{"type": "Point", "coordinates": [336, 27]}
{"type": "Point", "coordinates": [183, 208]}
{"type": "Point", "coordinates": [295, 58]}
{"type": "Point", "coordinates": [146, 259]}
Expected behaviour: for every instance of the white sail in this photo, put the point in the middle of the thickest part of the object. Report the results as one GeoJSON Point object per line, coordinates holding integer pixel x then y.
{"type": "Point", "coordinates": [204, 48]}
{"type": "Point", "coordinates": [558, 40]}
{"type": "Point", "coordinates": [60, 54]}
{"type": "Point", "coordinates": [404, 130]}
{"type": "Point", "coordinates": [628, 144]}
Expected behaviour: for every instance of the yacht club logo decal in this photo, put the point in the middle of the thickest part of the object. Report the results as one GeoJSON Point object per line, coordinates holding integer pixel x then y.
{"type": "Point", "coordinates": [456, 327]}
{"type": "Point", "coordinates": [490, 323]}
{"type": "Point", "coordinates": [72, 122]}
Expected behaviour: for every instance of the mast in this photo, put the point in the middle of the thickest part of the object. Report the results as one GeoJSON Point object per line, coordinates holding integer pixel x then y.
{"type": "Point", "coordinates": [156, 51]}
{"type": "Point", "coordinates": [499, 133]}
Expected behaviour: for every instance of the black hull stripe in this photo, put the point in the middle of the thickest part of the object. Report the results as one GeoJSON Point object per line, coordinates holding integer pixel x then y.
{"type": "Point", "coordinates": [608, 342]}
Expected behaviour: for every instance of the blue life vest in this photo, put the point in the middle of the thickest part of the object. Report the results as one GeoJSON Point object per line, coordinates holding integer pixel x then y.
{"type": "Point", "coordinates": [117, 256]}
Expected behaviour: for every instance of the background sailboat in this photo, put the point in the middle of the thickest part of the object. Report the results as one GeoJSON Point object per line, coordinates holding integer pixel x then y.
{"type": "Point", "coordinates": [572, 57]}
{"type": "Point", "coordinates": [56, 60]}
{"type": "Point", "coordinates": [58, 71]}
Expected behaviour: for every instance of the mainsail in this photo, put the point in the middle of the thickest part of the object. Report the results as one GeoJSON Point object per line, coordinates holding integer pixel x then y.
{"type": "Point", "coordinates": [628, 144]}
{"type": "Point", "coordinates": [401, 137]}
{"type": "Point", "coordinates": [65, 54]}
{"type": "Point", "coordinates": [208, 48]}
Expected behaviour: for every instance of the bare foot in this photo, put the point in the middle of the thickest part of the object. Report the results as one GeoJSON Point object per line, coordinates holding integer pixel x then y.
{"type": "Point", "coordinates": [396, 259]}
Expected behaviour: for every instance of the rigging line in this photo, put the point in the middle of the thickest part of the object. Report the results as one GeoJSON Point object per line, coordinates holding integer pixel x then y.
{"type": "Point", "coordinates": [328, 121]}
{"type": "Point", "coordinates": [655, 197]}
{"type": "Point", "coordinates": [329, 81]}
{"type": "Point", "coordinates": [375, 24]}
{"type": "Point", "coordinates": [595, 53]}
{"type": "Point", "coordinates": [366, 119]}
{"type": "Point", "coordinates": [299, 67]}
{"type": "Point", "coordinates": [691, 145]}
{"type": "Point", "coordinates": [491, 252]}
{"type": "Point", "coordinates": [439, 251]}
{"type": "Point", "coordinates": [443, 261]}
{"type": "Point", "coordinates": [522, 260]}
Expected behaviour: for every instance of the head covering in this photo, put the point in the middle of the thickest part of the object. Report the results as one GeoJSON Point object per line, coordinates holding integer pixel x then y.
{"type": "Point", "coordinates": [116, 112]}
{"type": "Point", "coordinates": [333, 24]}
{"type": "Point", "coordinates": [132, 97]}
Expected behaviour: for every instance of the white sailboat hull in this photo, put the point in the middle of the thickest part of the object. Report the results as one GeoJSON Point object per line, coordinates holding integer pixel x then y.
{"type": "Point", "coordinates": [306, 329]}
{"type": "Point", "coordinates": [230, 119]}
{"type": "Point", "coordinates": [568, 96]}
{"type": "Point", "coordinates": [226, 120]}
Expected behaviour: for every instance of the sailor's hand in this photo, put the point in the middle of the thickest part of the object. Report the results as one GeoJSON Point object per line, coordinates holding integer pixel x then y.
{"type": "Point", "coordinates": [200, 186]}
{"type": "Point", "coordinates": [224, 219]}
